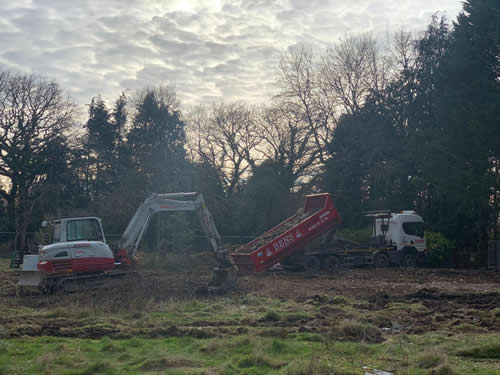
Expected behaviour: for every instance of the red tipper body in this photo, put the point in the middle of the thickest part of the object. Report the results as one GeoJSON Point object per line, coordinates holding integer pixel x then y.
{"type": "Point", "coordinates": [324, 216]}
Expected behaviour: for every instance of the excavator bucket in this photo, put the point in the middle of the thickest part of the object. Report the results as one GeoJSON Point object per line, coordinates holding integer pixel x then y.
{"type": "Point", "coordinates": [224, 275]}
{"type": "Point", "coordinates": [30, 276]}
{"type": "Point", "coordinates": [219, 277]}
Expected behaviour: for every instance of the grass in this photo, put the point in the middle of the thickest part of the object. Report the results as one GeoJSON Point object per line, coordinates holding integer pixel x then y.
{"type": "Point", "coordinates": [347, 352]}
{"type": "Point", "coordinates": [430, 359]}
{"type": "Point", "coordinates": [495, 313]}
{"type": "Point", "coordinates": [469, 328]}
{"type": "Point", "coordinates": [444, 369]}
{"type": "Point", "coordinates": [488, 351]}
{"type": "Point", "coordinates": [237, 334]}
{"type": "Point", "coordinates": [271, 316]}
{"type": "Point", "coordinates": [246, 354]}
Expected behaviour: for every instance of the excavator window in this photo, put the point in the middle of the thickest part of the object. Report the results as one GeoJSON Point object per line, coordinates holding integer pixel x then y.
{"type": "Point", "coordinates": [57, 233]}
{"type": "Point", "coordinates": [83, 230]}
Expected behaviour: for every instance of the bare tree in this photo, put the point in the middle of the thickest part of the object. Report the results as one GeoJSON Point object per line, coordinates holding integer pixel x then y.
{"type": "Point", "coordinates": [403, 50]}
{"type": "Point", "coordinates": [226, 138]}
{"type": "Point", "coordinates": [33, 118]}
{"type": "Point", "coordinates": [353, 68]}
{"type": "Point", "coordinates": [303, 98]}
{"type": "Point", "coordinates": [287, 141]}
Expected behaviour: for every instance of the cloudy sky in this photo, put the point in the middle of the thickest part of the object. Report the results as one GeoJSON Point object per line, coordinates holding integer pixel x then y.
{"type": "Point", "coordinates": [211, 50]}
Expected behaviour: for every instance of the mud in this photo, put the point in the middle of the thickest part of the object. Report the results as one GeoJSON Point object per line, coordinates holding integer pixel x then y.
{"type": "Point", "coordinates": [391, 301]}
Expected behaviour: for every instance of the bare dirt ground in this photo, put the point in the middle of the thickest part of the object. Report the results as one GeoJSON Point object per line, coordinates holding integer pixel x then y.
{"type": "Point", "coordinates": [419, 299]}
{"type": "Point", "coordinates": [413, 300]}
{"type": "Point", "coordinates": [368, 282]}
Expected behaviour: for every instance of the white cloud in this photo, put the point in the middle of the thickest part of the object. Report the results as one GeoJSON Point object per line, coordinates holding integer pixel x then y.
{"type": "Point", "coordinates": [211, 50]}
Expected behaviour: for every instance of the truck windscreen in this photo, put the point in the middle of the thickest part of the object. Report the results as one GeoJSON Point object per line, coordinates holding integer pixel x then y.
{"type": "Point", "coordinates": [414, 229]}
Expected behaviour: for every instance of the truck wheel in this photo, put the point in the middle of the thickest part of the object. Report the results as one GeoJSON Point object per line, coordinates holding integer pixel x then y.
{"type": "Point", "coordinates": [312, 264]}
{"type": "Point", "coordinates": [409, 260]}
{"type": "Point", "coordinates": [381, 260]}
{"type": "Point", "coordinates": [332, 264]}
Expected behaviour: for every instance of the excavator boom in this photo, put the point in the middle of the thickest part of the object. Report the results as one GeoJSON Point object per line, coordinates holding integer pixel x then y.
{"type": "Point", "coordinates": [137, 226]}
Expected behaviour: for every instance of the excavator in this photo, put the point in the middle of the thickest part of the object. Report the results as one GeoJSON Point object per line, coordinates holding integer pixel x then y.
{"type": "Point", "coordinates": [79, 254]}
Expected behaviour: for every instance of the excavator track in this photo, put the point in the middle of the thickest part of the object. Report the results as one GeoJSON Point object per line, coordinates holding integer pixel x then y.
{"type": "Point", "coordinates": [87, 282]}
{"type": "Point", "coordinates": [76, 283]}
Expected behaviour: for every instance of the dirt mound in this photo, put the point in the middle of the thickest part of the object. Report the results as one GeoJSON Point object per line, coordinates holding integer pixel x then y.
{"type": "Point", "coordinates": [434, 298]}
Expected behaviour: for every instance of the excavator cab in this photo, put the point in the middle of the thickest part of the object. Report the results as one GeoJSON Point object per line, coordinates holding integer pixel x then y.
{"type": "Point", "coordinates": [78, 247]}
{"type": "Point", "coordinates": [76, 229]}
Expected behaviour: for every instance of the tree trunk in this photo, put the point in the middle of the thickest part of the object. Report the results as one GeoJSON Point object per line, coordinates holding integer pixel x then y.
{"type": "Point", "coordinates": [11, 209]}
{"type": "Point", "coordinates": [23, 218]}
{"type": "Point", "coordinates": [20, 228]}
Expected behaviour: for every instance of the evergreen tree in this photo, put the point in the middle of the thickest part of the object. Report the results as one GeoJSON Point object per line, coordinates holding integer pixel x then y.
{"type": "Point", "coordinates": [119, 118]}
{"type": "Point", "coordinates": [102, 137]}
{"type": "Point", "coordinates": [156, 142]}
{"type": "Point", "coordinates": [263, 203]}
{"type": "Point", "coordinates": [365, 168]}
{"type": "Point", "coordinates": [468, 116]}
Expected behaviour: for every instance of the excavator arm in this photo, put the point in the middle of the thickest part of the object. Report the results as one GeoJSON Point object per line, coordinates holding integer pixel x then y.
{"type": "Point", "coordinates": [139, 223]}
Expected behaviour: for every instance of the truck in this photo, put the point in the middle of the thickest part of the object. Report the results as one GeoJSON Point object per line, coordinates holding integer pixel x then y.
{"type": "Point", "coordinates": [79, 254]}
{"type": "Point", "coordinates": [397, 238]}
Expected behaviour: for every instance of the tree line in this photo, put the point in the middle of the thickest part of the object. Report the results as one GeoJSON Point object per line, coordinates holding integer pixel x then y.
{"type": "Point", "coordinates": [413, 124]}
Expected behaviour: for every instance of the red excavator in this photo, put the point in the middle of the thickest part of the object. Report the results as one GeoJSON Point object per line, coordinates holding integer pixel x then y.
{"type": "Point", "coordinates": [80, 255]}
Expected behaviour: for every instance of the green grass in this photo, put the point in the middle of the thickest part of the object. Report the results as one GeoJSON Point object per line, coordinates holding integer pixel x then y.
{"type": "Point", "coordinates": [351, 330]}
{"type": "Point", "coordinates": [343, 348]}
{"type": "Point", "coordinates": [249, 354]}
{"type": "Point", "coordinates": [430, 359]}
{"type": "Point", "coordinates": [487, 351]}
{"type": "Point", "coordinates": [271, 316]}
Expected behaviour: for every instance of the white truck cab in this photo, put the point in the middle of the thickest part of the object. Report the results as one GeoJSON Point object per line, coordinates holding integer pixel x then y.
{"type": "Point", "coordinates": [402, 230]}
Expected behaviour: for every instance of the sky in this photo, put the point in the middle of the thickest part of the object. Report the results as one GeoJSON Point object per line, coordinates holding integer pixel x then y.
{"type": "Point", "coordinates": [210, 50]}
